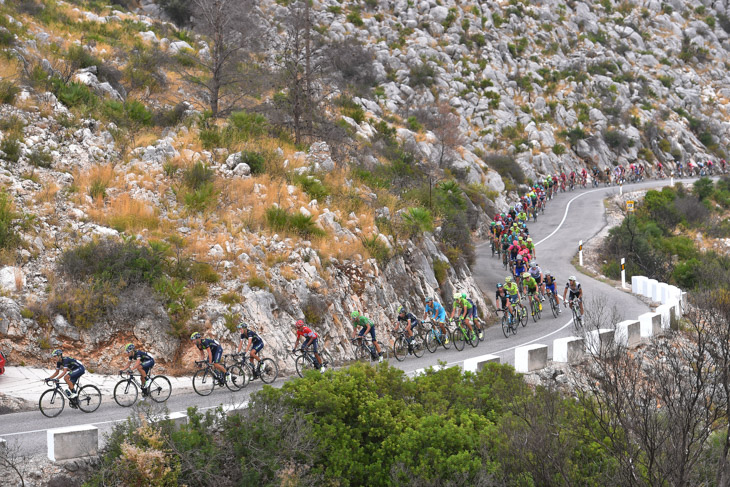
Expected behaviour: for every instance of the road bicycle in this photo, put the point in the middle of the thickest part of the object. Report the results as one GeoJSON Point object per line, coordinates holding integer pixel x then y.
{"type": "Point", "coordinates": [479, 327]}
{"type": "Point", "coordinates": [53, 400]}
{"type": "Point", "coordinates": [435, 337]}
{"type": "Point", "coordinates": [535, 306]}
{"type": "Point", "coordinates": [574, 305]}
{"type": "Point", "coordinates": [509, 324]}
{"type": "Point", "coordinates": [127, 390]}
{"type": "Point", "coordinates": [402, 347]}
{"type": "Point", "coordinates": [365, 351]}
{"type": "Point", "coordinates": [554, 305]}
{"type": "Point", "coordinates": [266, 369]}
{"type": "Point", "coordinates": [306, 360]}
{"type": "Point", "coordinates": [521, 311]}
{"type": "Point", "coordinates": [462, 336]}
{"type": "Point", "coordinates": [205, 379]}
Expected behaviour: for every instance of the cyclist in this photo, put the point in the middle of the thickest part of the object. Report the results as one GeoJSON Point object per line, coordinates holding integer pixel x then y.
{"type": "Point", "coordinates": [513, 292]}
{"type": "Point", "coordinates": [530, 246]}
{"type": "Point", "coordinates": [549, 283]}
{"type": "Point", "coordinates": [438, 314]}
{"type": "Point", "coordinates": [466, 310]}
{"type": "Point", "coordinates": [211, 351]}
{"type": "Point", "coordinates": [474, 312]}
{"type": "Point", "coordinates": [410, 320]}
{"type": "Point", "coordinates": [501, 298]}
{"type": "Point", "coordinates": [367, 327]}
{"type": "Point", "coordinates": [254, 343]}
{"type": "Point", "coordinates": [520, 266]}
{"type": "Point", "coordinates": [310, 338]}
{"type": "Point", "coordinates": [536, 274]}
{"type": "Point", "coordinates": [143, 363]}
{"type": "Point", "coordinates": [575, 293]}
{"type": "Point", "coordinates": [69, 369]}
{"type": "Point", "coordinates": [529, 285]}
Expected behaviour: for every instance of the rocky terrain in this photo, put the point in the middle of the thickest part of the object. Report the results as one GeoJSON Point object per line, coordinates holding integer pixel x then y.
{"type": "Point", "coordinates": [101, 143]}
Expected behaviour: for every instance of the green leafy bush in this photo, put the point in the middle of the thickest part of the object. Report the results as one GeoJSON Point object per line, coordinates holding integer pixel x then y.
{"type": "Point", "coordinates": [377, 249]}
{"type": "Point", "coordinates": [8, 92]}
{"type": "Point", "coordinates": [9, 237]}
{"type": "Point", "coordinates": [422, 75]}
{"type": "Point", "coordinates": [558, 149]}
{"type": "Point", "coordinates": [198, 175]}
{"type": "Point", "coordinates": [200, 198]}
{"type": "Point", "coordinates": [506, 166]}
{"type": "Point", "coordinates": [40, 157]}
{"type": "Point", "coordinates": [246, 125]}
{"type": "Point", "coordinates": [417, 221]}
{"type": "Point", "coordinates": [355, 19]}
{"type": "Point", "coordinates": [312, 186]}
{"type": "Point", "coordinates": [303, 225]}
{"type": "Point", "coordinates": [255, 161]}
{"type": "Point", "coordinates": [11, 148]}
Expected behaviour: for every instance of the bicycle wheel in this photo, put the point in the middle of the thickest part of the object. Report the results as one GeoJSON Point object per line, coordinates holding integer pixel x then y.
{"type": "Point", "coordinates": [473, 336]}
{"type": "Point", "coordinates": [419, 345]}
{"type": "Point", "coordinates": [239, 378]}
{"type": "Point", "coordinates": [362, 353]}
{"type": "Point", "coordinates": [577, 322]}
{"type": "Point", "coordinates": [523, 314]}
{"type": "Point", "coordinates": [459, 339]}
{"type": "Point", "coordinates": [303, 365]}
{"type": "Point", "coordinates": [553, 306]}
{"type": "Point", "coordinates": [269, 371]}
{"type": "Point", "coordinates": [204, 382]}
{"type": "Point", "coordinates": [51, 403]}
{"type": "Point", "coordinates": [505, 325]}
{"type": "Point", "coordinates": [447, 339]}
{"type": "Point", "coordinates": [431, 341]}
{"type": "Point", "coordinates": [125, 393]}
{"type": "Point", "coordinates": [89, 398]}
{"type": "Point", "coordinates": [400, 349]}
{"type": "Point", "coordinates": [159, 389]}
{"type": "Point", "coordinates": [535, 309]}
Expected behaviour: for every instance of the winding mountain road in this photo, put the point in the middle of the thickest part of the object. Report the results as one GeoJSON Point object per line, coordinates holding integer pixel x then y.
{"type": "Point", "coordinates": [570, 217]}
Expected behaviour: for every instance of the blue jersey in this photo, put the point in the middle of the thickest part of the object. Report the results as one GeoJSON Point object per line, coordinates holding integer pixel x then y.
{"type": "Point", "coordinates": [437, 311]}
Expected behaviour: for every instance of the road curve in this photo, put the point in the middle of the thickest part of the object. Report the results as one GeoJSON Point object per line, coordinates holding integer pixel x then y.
{"type": "Point", "coordinates": [570, 217]}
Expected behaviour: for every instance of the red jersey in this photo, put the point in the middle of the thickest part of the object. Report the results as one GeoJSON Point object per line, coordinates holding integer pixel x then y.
{"type": "Point", "coordinates": [305, 331]}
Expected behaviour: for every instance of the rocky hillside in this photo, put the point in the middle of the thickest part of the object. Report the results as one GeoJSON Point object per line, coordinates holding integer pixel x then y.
{"type": "Point", "coordinates": [140, 204]}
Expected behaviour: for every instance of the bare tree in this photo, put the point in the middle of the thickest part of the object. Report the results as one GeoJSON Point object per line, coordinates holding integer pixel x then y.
{"type": "Point", "coordinates": [11, 465]}
{"type": "Point", "coordinates": [444, 124]}
{"type": "Point", "coordinates": [226, 71]}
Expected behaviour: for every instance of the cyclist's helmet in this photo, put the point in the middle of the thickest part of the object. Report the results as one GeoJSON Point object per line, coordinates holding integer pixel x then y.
{"type": "Point", "coordinates": [195, 336]}
{"type": "Point", "coordinates": [300, 323]}
{"type": "Point", "coordinates": [129, 348]}
{"type": "Point", "coordinates": [519, 256]}
{"type": "Point", "coordinates": [526, 275]}
{"type": "Point", "coordinates": [529, 239]}
{"type": "Point", "coordinates": [533, 265]}
{"type": "Point", "coordinates": [57, 353]}
{"type": "Point", "coordinates": [243, 325]}
{"type": "Point", "coordinates": [499, 285]}
{"type": "Point", "coordinates": [429, 300]}
{"type": "Point", "coordinates": [547, 273]}
{"type": "Point", "coordinates": [457, 295]}
{"type": "Point", "coordinates": [354, 315]}
{"type": "Point", "coordinates": [508, 279]}
{"type": "Point", "coordinates": [515, 242]}
{"type": "Point", "coordinates": [571, 278]}
{"type": "Point", "coordinates": [491, 224]}
{"type": "Point", "coordinates": [401, 310]}
{"type": "Point", "coordinates": [463, 295]}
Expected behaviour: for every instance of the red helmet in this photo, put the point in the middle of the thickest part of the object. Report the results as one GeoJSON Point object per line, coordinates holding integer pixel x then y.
{"type": "Point", "coordinates": [300, 323]}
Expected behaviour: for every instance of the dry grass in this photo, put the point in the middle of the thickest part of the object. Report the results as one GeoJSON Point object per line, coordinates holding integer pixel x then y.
{"type": "Point", "coordinates": [126, 214]}
{"type": "Point", "coordinates": [47, 194]}
{"type": "Point", "coordinates": [102, 174]}
{"type": "Point", "coordinates": [339, 249]}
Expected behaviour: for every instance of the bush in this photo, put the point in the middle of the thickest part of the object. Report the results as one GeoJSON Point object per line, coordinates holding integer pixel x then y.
{"type": "Point", "coordinates": [197, 176]}
{"type": "Point", "coordinates": [40, 157]}
{"type": "Point", "coordinates": [7, 38]}
{"type": "Point", "coordinates": [8, 92]}
{"type": "Point", "coordinates": [281, 220]}
{"type": "Point", "coordinates": [75, 95]}
{"type": "Point", "coordinates": [422, 75]}
{"type": "Point", "coordinates": [615, 139]}
{"type": "Point", "coordinates": [255, 161]}
{"type": "Point", "coordinates": [201, 198]}
{"type": "Point", "coordinates": [169, 117]}
{"type": "Point", "coordinates": [703, 188]}
{"type": "Point", "coordinates": [506, 166]}
{"type": "Point", "coordinates": [355, 19]}
{"type": "Point", "coordinates": [312, 186]}
{"type": "Point", "coordinates": [97, 189]}
{"type": "Point", "coordinates": [440, 270]}
{"type": "Point", "coordinates": [11, 148]}
{"type": "Point", "coordinates": [210, 138]}
{"type": "Point", "coordinates": [417, 221]}
{"type": "Point", "coordinates": [257, 282]}
{"type": "Point", "coordinates": [558, 149]}
{"type": "Point", "coordinates": [377, 249]}
{"type": "Point", "coordinates": [9, 238]}
{"type": "Point", "coordinates": [248, 125]}
{"type": "Point", "coordinates": [179, 11]}
{"type": "Point", "coordinates": [315, 310]}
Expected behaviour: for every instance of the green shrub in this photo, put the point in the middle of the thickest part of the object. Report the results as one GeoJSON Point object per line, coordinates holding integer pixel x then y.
{"type": "Point", "coordinates": [414, 124]}
{"type": "Point", "coordinates": [8, 92]}
{"type": "Point", "coordinates": [7, 38]}
{"type": "Point", "coordinates": [80, 58]}
{"type": "Point", "coordinates": [198, 175]}
{"type": "Point", "coordinates": [200, 199]}
{"type": "Point", "coordinates": [611, 269]}
{"type": "Point", "coordinates": [257, 282]}
{"type": "Point", "coordinates": [417, 221]}
{"type": "Point", "coordinates": [9, 238]}
{"type": "Point", "coordinates": [355, 19]}
{"type": "Point", "coordinates": [40, 157]}
{"type": "Point", "coordinates": [664, 145]}
{"type": "Point", "coordinates": [11, 148]}
{"type": "Point", "coordinates": [441, 270]}
{"type": "Point", "coordinates": [558, 149]}
{"type": "Point", "coordinates": [75, 95]}
{"type": "Point", "coordinates": [506, 166]}
{"type": "Point", "coordinates": [422, 75]}
{"type": "Point", "coordinates": [281, 220]}
{"type": "Point", "coordinates": [230, 298]}
{"type": "Point", "coordinates": [666, 81]}
{"type": "Point", "coordinates": [312, 186]}
{"type": "Point", "coordinates": [204, 272]}
{"type": "Point", "coordinates": [377, 249]}
{"type": "Point", "coordinates": [210, 138]}
{"type": "Point", "coordinates": [255, 161]}
{"type": "Point", "coordinates": [615, 139]}
{"type": "Point", "coordinates": [97, 189]}
{"type": "Point", "coordinates": [248, 125]}
{"type": "Point", "coordinates": [179, 11]}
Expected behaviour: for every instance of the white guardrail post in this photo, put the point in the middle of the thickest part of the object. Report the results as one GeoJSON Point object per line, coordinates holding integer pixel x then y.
{"type": "Point", "coordinates": [72, 442]}
{"type": "Point", "coordinates": [623, 273]}
{"type": "Point", "coordinates": [580, 252]}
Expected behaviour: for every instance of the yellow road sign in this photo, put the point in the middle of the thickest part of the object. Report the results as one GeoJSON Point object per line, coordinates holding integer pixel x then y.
{"type": "Point", "coordinates": [630, 206]}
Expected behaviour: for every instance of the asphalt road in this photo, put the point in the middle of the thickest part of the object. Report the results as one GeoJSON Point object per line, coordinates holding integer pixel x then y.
{"type": "Point", "coordinates": [570, 217]}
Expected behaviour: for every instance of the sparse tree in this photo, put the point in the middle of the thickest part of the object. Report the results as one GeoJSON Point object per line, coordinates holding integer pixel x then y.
{"type": "Point", "coordinates": [445, 125]}
{"type": "Point", "coordinates": [226, 71]}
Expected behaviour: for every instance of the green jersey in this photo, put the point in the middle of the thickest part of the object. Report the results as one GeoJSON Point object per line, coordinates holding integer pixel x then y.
{"type": "Point", "coordinates": [362, 321]}
{"type": "Point", "coordinates": [530, 283]}
{"type": "Point", "coordinates": [462, 303]}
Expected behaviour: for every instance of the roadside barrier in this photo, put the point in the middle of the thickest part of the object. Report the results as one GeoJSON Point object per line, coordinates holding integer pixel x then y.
{"type": "Point", "coordinates": [72, 442]}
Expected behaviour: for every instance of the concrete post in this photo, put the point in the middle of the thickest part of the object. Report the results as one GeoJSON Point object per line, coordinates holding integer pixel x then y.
{"type": "Point", "coordinates": [531, 357]}
{"type": "Point", "coordinates": [569, 350]}
{"type": "Point", "coordinates": [638, 283]}
{"type": "Point", "coordinates": [628, 333]}
{"type": "Point", "coordinates": [476, 364]}
{"type": "Point", "coordinates": [72, 442]}
{"type": "Point", "coordinates": [651, 324]}
{"type": "Point", "coordinates": [598, 342]}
